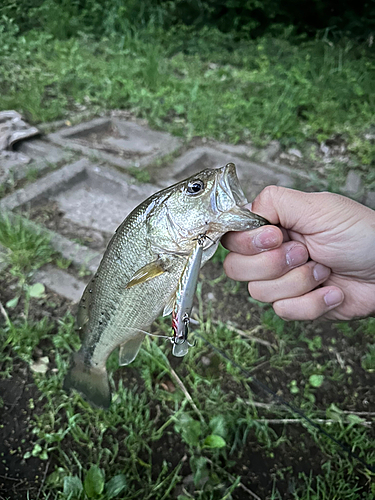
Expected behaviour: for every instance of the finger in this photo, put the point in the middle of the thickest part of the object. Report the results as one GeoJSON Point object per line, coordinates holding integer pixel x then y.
{"type": "Point", "coordinates": [297, 210]}
{"type": "Point", "coordinates": [267, 265]}
{"type": "Point", "coordinates": [253, 242]}
{"type": "Point", "coordinates": [310, 306]}
{"type": "Point", "coordinates": [295, 283]}
{"type": "Point", "coordinates": [306, 213]}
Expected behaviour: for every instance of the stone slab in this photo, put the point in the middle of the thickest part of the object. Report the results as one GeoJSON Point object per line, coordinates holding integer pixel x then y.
{"type": "Point", "coordinates": [253, 176]}
{"type": "Point", "coordinates": [90, 196]}
{"type": "Point", "coordinates": [42, 151]}
{"type": "Point", "coordinates": [353, 183]}
{"type": "Point", "coordinates": [103, 199]}
{"type": "Point", "coordinates": [60, 282]}
{"type": "Point", "coordinates": [47, 186]}
{"type": "Point", "coordinates": [370, 199]}
{"type": "Point", "coordinates": [32, 154]}
{"type": "Point", "coordinates": [3, 258]}
{"type": "Point", "coordinates": [120, 142]}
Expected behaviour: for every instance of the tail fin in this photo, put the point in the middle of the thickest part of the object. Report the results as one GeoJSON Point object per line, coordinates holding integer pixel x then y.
{"type": "Point", "coordinates": [91, 382]}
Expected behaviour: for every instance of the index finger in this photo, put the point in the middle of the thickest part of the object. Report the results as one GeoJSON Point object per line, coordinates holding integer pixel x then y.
{"type": "Point", "coordinates": [254, 241]}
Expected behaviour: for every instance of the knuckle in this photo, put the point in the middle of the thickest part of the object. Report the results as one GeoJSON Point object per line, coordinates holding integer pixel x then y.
{"type": "Point", "coordinates": [290, 310]}
{"type": "Point", "coordinates": [312, 313]}
{"type": "Point", "coordinates": [269, 193]}
{"type": "Point", "coordinates": [306, 274]}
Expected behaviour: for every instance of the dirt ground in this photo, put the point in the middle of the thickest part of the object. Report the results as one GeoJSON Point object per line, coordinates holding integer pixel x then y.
{"type": "Point", "coordinates": [21, 402]}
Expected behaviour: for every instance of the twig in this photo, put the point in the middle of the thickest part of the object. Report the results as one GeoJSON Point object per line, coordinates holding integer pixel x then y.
{"type": "Point", "coordinates": [248, 335]}
{"type": "Point", "coordinates": [44, 479]}
{"type": "Point", "coordinates": [269, 406]}
{"type": "Point", "coordinates": [261, 365]}
{"type": "Point", "coordinates": [232, 478]}
{"type": "Point", "coordinates": [340, 360]}
{"type": "Point", "coordinates": [299, 421]}
{"type": "Point", "coordinates": [5, 314]}
{"type": "Point", "coordinates": [12, 478]}
{"type": "Point", "coordinates": [185, 391]}
{"type": "Point", "coordinates": [158, 413]}
{"type": "Point", "coordinates": [363, 413]}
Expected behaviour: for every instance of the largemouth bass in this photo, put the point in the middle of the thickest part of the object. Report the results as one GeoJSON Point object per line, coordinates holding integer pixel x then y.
{"type": "Point", "coordinates": [140, 270]}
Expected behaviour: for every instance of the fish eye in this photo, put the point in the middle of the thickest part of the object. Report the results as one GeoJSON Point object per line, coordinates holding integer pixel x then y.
{"type": "Point", "coordinates": [194, 187]}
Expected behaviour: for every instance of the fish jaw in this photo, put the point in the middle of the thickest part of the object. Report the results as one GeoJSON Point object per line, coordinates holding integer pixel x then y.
{"type": "Point", "coordinates": [239, 219]}
{"type": "Point", "coordinates": [230, 184]}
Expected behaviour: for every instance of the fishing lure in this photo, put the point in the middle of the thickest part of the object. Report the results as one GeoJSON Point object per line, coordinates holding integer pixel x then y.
{"type": "Point", "coordinates": [183, 302]}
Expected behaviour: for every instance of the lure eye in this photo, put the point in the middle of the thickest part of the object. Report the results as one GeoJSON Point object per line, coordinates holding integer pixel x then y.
{"type": "Point", "coordinates": [195, 187]}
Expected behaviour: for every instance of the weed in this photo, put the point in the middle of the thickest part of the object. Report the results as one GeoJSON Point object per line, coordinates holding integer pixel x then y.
{"type": "Point", "coordinates": [141, 175]}
{"type": "Point", "coordinates": [28, 250]}
{"type": "Point", "coordinates": [264, 89]}
{"type": "Point", "coordinates": [368, 360]}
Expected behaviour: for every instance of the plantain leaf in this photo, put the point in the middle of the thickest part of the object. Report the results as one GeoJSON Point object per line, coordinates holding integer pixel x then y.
{"type": "Point", "coordinates": [94, 482]}
{"type": "Point", "coordinates": [37, 290]}
{"type": "Point", "coordinates": [214, 441]}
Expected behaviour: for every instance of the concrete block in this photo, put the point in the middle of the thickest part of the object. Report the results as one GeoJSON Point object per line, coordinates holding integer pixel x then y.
{"type": "Point", "coordinates": [253, 176]}
{"type": "Point", "coordinates": [121, 142]}
{"type": "Point", "coordinates": [31, 154]}
{"type": "Point", "coordinates": [370, 199]}
{"type": "Point", "coordinates": [268, 153]}
{"type": "Point", "coordinates": [60, 282]}
{"type": "Point", "coordinates": [41, 151]}
{"type": "Point", "coordinates": [353, 183]}
{"type": "Point", "coordinates": [90, 196]}
{"type": "Point", "coordinates": [103, 199]}
{"type": "Point", "coordinates": [47, 186]}
{"type": "Point", "coordinates": [3, 258]}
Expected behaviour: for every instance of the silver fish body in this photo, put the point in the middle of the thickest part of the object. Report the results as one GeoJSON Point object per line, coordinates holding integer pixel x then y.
{"type": "Point", "coordinates": [140, 270]}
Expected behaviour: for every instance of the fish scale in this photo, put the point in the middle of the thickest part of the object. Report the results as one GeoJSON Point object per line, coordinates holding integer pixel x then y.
{"type": "Point", "coordinates": [142, 266]}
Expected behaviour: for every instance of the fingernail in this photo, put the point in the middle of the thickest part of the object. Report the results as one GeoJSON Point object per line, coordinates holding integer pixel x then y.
{"type": "Point", "coordinates": [333, 298]}
{"type": "Point", "coordinates": [266, 239]}
{"type": "Point", "coordinates": [296, 255]}
{"type": "Point", "coordinates": [321, 272]}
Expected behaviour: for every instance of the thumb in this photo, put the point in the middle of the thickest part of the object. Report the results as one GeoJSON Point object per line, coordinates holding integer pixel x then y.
{"type": "Point", "coordinates": [298, 211]}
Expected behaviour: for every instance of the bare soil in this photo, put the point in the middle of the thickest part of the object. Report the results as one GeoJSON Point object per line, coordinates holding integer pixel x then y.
{"type": "Point", "coordinates": [297, 453]}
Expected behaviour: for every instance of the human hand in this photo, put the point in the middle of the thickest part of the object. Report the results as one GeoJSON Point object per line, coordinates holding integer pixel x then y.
{"type": "Point", "coordinates": [320, 263]}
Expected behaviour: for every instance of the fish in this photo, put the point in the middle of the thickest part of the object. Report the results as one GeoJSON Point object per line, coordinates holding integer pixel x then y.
{"type": "Point", "coordinates": [139, 273]}
{"type": "Point", "coordinates": [183, 302]}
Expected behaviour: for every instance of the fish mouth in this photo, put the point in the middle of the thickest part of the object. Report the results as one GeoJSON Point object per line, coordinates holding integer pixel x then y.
{"type": "Point", "coordinates": [232, 194]}
{"type": "Point", "coordinates": [229, 182]}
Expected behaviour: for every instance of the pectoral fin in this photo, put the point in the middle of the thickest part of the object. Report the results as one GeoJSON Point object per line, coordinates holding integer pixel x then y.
{"type": "Point", "coordinates": [130, 349]}
{"type": "Point", "coordinates": [146, 273]}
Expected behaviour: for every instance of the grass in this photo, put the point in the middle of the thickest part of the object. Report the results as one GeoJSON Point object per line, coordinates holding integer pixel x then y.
{"type": "Point", "coordinates": [201, 85]}
{"type": "Point", "coordinates": [154, 443]}
{"type": "Point", "coordinates": [152, 437]}
{"type": "Point", "coordinates": [27, 250]}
